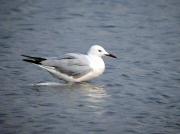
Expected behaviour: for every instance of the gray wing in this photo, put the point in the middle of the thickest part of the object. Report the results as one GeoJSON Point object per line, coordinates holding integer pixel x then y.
{"type": "Point", "coordinates": [75, 65]}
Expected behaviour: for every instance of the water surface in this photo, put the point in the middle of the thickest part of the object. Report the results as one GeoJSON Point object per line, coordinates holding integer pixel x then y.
{"type": "Point", "coordinates": [139, 93]}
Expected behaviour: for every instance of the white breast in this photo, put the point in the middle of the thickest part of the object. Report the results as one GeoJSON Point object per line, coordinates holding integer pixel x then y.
{"type": "Point", "coordinates": [98, 65]}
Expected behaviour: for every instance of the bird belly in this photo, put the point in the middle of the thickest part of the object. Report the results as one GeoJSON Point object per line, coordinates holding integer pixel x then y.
{"type": "Point", "coordinates": [92, 74]}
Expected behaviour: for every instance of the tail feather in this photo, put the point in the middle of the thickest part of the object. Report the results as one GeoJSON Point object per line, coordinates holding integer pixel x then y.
{"type": "Point", "coordinates": [32, 57]}
{"type": "Point", "coordinates": [35, 60]}
{"type": "Point", "coordinates": [32, 61]}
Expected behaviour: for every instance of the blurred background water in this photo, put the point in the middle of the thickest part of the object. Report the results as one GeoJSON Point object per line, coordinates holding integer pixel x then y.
{"type": "Point", "coordinates": [139, 93]}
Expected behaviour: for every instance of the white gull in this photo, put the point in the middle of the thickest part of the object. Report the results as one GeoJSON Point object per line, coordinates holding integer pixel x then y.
{"type": "Point", "coordinates": [74, 67]}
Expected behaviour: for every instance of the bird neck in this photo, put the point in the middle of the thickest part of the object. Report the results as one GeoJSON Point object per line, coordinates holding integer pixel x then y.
{"type": "Point", "coordinates": [91, 52]}
{"type": "Point", "coordinates": [96, 63]}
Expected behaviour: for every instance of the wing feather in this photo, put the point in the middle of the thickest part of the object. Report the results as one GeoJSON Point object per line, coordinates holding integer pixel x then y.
{"type": "Point", "coordinates": [75, 65]}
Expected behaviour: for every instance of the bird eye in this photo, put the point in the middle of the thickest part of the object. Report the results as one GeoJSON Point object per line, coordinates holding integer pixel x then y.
{"type": "Point", "coordinates": [100, 50]}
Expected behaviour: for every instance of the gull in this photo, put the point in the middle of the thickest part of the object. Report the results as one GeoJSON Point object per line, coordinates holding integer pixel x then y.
{"type": "Point", "coordinates": [74, 67]}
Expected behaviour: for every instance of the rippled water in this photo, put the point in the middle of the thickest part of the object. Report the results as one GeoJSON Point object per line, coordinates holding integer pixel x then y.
{"type": "Point", "coordinates": [138, 94]}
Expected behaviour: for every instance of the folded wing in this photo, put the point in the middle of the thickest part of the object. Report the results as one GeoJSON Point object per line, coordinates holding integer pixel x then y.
{"type": "Point", "coordinates": [75, 65]}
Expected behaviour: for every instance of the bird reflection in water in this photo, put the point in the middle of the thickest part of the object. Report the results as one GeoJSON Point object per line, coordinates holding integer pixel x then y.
{"type": "Point", "coordinates": [89, 91]}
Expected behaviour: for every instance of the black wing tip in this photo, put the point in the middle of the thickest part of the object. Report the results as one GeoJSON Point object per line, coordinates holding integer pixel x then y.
{"type": "Point", "coordinates": [31, 59]}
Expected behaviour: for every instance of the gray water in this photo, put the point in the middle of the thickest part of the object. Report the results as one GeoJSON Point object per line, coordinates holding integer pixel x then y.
{"type": "Point", "coordinates": [139, 93]}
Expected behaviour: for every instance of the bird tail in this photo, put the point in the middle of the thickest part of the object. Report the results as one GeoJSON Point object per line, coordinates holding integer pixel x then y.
{"type": "Point", "coordinates": [31, 59]}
